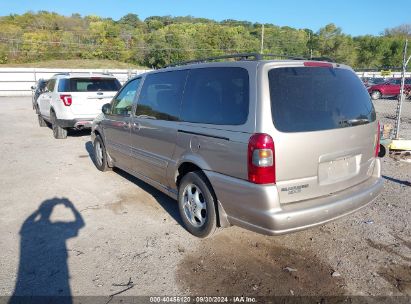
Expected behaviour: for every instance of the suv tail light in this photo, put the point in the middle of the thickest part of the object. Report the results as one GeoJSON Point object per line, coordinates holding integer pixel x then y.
{"type": "Point", "coordinates": [67, 100]}
{"type": "Point", "coordinates": [377, 144]}
{"type": "Point", "coordinates": [261, 159]}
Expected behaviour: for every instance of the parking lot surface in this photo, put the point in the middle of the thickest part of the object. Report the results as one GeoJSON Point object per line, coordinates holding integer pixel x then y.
{"type": "Point", "coordinates": [68, 229]}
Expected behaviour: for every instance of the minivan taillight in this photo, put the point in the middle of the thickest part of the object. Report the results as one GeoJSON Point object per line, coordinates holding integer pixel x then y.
{"type": "Point", "coordinates": [261, 159]}
{"type": "Point", "coordinates": [67, 100]}
{"type": "Point", "coordinates": [377, 141]}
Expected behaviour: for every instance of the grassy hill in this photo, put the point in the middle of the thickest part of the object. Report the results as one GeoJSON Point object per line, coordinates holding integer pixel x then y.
{"type": "Point", "coordinates": [75, 64]}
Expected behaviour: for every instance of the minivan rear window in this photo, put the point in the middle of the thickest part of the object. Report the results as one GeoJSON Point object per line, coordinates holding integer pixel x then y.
{"type": "Point", "coordinates": [93, 84]}
{"type": "Point", "coordinates": [317, 98]}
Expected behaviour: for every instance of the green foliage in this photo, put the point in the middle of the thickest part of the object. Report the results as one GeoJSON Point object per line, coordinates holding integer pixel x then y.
{"type": "Point", "coordinates": [161, 40]}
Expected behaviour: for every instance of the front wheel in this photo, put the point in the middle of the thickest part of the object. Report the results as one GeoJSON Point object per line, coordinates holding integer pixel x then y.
{"type": "Point", "coordinates": [196, 203]}
{"type": "Point", "coordinates": [375, 95]}
{"type": "Point", "coordinates": [100, 154]}
{"type": "Point", "coordinates": [58, 132]}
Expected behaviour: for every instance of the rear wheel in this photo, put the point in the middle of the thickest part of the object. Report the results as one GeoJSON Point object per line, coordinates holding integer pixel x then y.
{"type": "Point", "coordinates": [42, 122]}
{"type": "Point", "coordinates": [100, 154]}
{"type": "Point", "coordinates": [58, 132]}
{"type": "Point", "coordinates": [375, 95]}
{"type": "Point", "coordinates": [196, 203]}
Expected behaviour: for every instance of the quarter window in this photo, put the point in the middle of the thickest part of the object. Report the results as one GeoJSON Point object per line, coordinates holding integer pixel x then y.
{"type": "Point", "coordinates": [217, 96]}
{"type": "Point", "coordinates": [50, 85]}
{"type": "Point", "coordinates": [123, 102]}
{"type": "Point", "coordinates": [160, 96]}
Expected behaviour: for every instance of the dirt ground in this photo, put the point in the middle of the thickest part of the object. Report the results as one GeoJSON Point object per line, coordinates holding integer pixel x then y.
{"type": "Point", "coordinates": [68, 229]}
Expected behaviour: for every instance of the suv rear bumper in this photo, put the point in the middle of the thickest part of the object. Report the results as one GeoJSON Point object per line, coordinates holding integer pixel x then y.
{"type": "Point", "coordinates": [81, 123]}
{"type": "Point", "coordinates": [257, 207]}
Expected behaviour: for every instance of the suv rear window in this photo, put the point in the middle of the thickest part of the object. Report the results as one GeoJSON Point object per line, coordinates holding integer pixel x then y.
{"type": "Point", "coordinates": [312, 99]}
{"type": "Point", "coordinates": [93, 84]}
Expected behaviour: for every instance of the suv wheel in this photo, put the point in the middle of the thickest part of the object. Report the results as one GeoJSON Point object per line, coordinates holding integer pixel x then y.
{"type": "Point", "coordinates": [375, 95]}
{"type": "Point", "coordinates": [100, 154]}
{"type": "Point", "coordinates": [196, 203]}
{"type": "Point", "coordinates": [58, 132]}
{"type": "Point", "coordinates": [42, 122]}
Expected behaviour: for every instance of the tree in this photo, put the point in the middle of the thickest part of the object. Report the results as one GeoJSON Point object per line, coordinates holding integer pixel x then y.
{"type": "Point", "coordinates": [161, 40]}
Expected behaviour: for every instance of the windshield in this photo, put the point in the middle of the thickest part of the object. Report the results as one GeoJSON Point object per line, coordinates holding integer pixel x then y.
{"type": "Point", "coordinates": [312, 99]}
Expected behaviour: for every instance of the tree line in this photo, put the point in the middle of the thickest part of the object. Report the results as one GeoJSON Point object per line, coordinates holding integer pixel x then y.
{"type": "Point", "coordinates": [161, 40]}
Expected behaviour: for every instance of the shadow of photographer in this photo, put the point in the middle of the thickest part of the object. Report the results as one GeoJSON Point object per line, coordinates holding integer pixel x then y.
{"type": "Point", "coordinates": [43, 272]}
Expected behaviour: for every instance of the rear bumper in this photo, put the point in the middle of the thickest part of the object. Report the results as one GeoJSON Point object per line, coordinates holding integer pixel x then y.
{"type": "Point", "coordinates": [81, 123]}
{"type": "Point", "coordinates": [257, 207]}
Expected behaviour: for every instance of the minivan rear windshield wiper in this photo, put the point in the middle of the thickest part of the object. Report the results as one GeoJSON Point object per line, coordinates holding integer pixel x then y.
{"type": "Point", "coordinates": [354, 122]}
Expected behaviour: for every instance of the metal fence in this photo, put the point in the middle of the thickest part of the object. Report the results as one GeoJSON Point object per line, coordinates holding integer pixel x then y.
{"type": "Point", "coordinates": [387, 110]}
{"type": "Point", "coordinates": [387, 114]}
{"type": "Point", "coordinates": [18, 81]}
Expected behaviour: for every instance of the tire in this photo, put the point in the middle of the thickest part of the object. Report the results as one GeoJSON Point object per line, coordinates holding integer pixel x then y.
{"type": "Point", "coordinates": [382, 151]}
{"type": "Point", "coordinates": [198, 209]}
{"type": "Point", "coordinates": [58, 132]}
{"type": "Point", "coordinates": [100, 155]}
{"type": "Point", "coordinates": [42, 122]}
{"type": "Point", "coordinates": [375, 95]}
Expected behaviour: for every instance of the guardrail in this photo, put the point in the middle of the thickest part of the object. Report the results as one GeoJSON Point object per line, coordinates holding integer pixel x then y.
{"type": "Point", "coordinates": [18, 81]}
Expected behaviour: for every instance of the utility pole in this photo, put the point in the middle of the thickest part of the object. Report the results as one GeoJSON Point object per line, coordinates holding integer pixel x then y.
{"type": "Point", "coordinates": [262, 40]}
{"type": "Point", "coordinates": [405, 62]}
{"type": "Point", "coordinates": [311, 45]}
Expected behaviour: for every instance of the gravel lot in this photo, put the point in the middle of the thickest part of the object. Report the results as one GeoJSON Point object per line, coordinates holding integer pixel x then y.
{"type": "Point", "coordinates": [126, 229]}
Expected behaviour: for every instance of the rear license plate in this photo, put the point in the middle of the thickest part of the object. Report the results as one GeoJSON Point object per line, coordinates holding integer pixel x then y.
{"type": "Point", "coordinates": [338, 170]}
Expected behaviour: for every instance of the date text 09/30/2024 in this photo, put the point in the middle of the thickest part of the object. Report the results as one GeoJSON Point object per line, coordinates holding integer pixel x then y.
{"type": "Point", "coordinates": [203, 299]}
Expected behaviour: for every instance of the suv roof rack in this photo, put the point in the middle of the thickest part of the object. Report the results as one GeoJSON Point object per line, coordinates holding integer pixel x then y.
{"type": "Point", "coordinates": [62, 73]}
{"type": "Point", "coordinates": [247, 56]}
{"type": "Point", "coordinates": [82, 73]}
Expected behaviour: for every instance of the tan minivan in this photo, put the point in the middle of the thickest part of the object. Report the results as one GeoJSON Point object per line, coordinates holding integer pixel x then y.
{"type": "Point", "coordinates": [273, 146]}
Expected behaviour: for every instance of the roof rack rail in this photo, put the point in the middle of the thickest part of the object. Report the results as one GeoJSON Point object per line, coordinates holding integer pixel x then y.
{"type": "Point", "coordinates": [242, 56]}
{"type": "Point", "coordinates": [81, 73]}
{"type": "Point", "coordinates": [247, 56]}
{"type": "Point", "coordinates": [61, 73]}
{"type": "Point", "coordinates": [283, 56]}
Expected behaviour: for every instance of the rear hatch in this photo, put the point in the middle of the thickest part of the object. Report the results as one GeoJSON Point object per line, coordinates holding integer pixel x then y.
{"type": "Point", "coordinates": [89, 94]}
{"type": "Point", "coordinates": [326, 130]}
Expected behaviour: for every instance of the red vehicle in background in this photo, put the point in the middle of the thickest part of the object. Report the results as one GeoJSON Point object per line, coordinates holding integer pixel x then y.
{"type": "Point", "coordinates": [390, 88]}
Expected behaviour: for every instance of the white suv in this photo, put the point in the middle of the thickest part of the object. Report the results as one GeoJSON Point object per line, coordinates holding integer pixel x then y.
{"type": "Point", "coordinates": [73, 100]}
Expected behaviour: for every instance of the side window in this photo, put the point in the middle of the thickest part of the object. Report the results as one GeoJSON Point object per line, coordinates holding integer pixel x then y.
{"type": "Point", "coordinates": [123, 102]}
{"type": "Point", "coordinates": [50, 85]}
{"type": "Point", "coordinates": [161, 94]}
{"type": "Point", "coordinates": [217, 96]}
{"type": "Point", "coordinates": [63, 85]}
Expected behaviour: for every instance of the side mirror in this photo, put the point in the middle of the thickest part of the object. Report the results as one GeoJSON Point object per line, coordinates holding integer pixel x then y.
{"type": "Point", "coordinates": [106, 108]}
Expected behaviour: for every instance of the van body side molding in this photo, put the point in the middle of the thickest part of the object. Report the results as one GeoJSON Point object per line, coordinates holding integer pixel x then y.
{"type": "Point", "coordinates": [203, 134]}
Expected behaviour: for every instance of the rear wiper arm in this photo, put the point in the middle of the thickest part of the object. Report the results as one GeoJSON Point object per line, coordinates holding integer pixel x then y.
{"type": "Point", "coordinates": [354, 122]}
